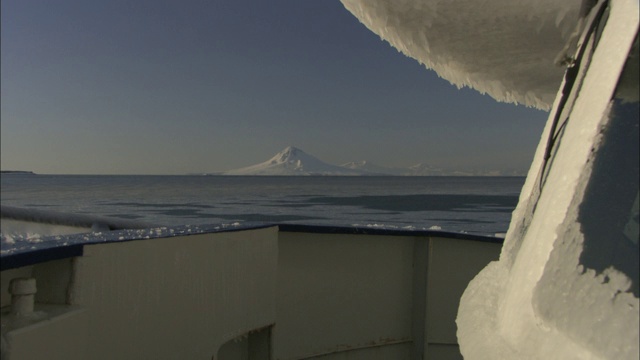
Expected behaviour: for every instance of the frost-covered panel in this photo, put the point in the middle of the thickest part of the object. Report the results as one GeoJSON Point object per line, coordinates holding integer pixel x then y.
{"type": "Point", "coordinates": [543, 299]}
{"type": "Point", "coordinates": [550, 143]}
{"type": "Point", "coordinates": [504, 48]}
{"type": "Point", "coordinates": [589, 289]}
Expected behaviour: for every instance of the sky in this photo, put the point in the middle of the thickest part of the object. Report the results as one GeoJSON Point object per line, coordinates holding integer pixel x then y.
{"type": "Point", "coordinates": [179, 87]}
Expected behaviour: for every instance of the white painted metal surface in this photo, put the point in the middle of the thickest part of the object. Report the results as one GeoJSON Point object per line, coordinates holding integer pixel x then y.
{"type": "Point", "coordinates": [278, 295]}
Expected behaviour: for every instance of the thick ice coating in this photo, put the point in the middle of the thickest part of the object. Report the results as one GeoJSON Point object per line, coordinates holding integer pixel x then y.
{"type": "Point", "coordinates": [504, 48]}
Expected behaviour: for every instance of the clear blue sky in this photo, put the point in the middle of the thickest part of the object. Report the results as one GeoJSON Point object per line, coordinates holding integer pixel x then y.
{"type": "Point", "coordinates": [174, 87]}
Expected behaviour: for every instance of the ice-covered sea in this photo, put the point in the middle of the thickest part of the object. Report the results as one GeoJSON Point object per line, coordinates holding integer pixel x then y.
{"type": "Point", "coordinates": [477, 205]}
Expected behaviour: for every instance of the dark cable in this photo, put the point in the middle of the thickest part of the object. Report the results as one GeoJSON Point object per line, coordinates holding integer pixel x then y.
{"type": "Point", "coordinates": [569, 81]}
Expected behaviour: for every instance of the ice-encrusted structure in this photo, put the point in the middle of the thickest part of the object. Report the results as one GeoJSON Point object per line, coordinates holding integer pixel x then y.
{"type": "Point", "coordinates": [546, 298]}
{"type": "Point", "coordinates": [504, 48]}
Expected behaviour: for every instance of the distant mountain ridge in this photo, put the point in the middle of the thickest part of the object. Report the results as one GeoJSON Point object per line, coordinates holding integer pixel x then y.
{"type": "Point", "coordinates": [371, 168]}
{"type": "Point", "coordinates": [293, 161]}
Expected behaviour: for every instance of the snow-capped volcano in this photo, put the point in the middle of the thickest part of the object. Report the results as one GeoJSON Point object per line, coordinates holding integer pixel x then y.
{"type": "Point", "coordinates": [293, 161]}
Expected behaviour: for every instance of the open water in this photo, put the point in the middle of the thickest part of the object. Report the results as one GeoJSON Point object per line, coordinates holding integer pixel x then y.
{"type": "Point", "coordinates": [478, 205]}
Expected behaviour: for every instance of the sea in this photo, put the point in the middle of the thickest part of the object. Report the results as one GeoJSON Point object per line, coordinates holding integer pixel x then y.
{"type": "Point", "coordinates": [474, 205]}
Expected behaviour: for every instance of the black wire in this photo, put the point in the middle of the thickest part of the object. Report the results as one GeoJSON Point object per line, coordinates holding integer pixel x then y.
{"type": "Point", "coordinates": [569, 81]}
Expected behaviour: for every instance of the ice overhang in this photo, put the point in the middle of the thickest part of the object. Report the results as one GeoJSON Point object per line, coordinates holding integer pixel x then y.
{"type": "Point", "coordinates": [504, 48]}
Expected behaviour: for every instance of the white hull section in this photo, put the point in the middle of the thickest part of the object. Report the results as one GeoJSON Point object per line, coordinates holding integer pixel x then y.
{"type": "Point", "coordinates": [274, 294]}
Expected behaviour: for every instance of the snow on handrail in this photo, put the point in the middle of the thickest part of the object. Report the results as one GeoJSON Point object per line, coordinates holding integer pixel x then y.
{"type": "Point", "coordinates": [78, 220]}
